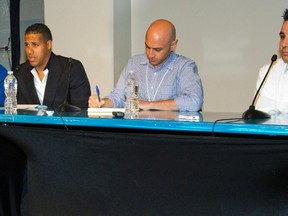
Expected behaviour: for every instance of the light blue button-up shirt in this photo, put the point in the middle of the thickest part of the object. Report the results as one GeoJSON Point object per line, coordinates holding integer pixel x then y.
{"type": "Point", "coordinates": [177, 78]}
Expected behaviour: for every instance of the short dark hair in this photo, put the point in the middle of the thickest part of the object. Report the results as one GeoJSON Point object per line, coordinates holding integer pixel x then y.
{"type": "Point", "coordinates": [40, 28]}
{"type": "Point", "coordinates": [285, 15]}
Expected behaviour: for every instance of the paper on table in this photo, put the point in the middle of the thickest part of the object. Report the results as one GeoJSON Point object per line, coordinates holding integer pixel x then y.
{"type": "Point", "coordinates": [40, 109]}
{"type": "Point", "coordinates": [27, 106]}
{"type": "Point", "coordinates": [103, 111]}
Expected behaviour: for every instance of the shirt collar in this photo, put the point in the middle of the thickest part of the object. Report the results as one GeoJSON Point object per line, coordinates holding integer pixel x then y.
{"type": "Point", "coordinates": [166, 64]}
{"type": "Point", "coordinates": [34, 72]}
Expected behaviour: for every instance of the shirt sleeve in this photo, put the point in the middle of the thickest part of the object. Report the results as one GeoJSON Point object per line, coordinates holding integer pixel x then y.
{"type": "Point", "coordinates": [191, 90]}
{"type": "Point", "coordinates": [117, 95]}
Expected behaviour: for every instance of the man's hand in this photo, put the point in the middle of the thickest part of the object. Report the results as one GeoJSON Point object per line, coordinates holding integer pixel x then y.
{"type": "Point", "coordinates": [144, 105]}
{"type": "Point", "coordinates": [93, 102]}
{"type": "Point", "coordinates": [157, 105]}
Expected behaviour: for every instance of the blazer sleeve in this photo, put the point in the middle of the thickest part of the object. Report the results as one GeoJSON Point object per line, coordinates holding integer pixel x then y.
{"type": "Point", "coordinates": [79, 86]}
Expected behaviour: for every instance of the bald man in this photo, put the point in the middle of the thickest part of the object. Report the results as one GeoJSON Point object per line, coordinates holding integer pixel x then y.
{"type": "Point", "coordinates": [167, 81]}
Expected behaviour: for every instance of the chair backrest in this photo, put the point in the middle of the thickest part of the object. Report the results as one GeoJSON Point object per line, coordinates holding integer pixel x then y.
{"type": "Point", "coordinates": [3, 74]}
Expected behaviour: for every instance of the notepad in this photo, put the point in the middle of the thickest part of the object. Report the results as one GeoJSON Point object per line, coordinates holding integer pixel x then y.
{"type": "Point", "coordinates": [27, 106]}
{"type": "Point", "coordinates": [103, 111]}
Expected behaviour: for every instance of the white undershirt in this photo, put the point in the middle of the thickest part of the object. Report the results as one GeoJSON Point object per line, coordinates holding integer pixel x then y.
{"type": "Point", "coordinates": [40, 85]}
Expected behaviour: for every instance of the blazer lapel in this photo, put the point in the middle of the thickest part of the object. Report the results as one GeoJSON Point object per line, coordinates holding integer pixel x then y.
{"type": "Point", "coordinates": [30, 90]}
{"type": "Point", "coordinates": [53, 81]}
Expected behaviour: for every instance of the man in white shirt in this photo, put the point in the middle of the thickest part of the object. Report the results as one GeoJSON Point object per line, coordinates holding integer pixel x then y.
{"type": "Point", "coordinates": [273, 97]}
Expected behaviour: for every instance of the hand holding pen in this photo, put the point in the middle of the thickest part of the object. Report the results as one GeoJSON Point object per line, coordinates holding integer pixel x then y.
{"type": "Point", "coordinates": [95, 100]}
{"type": "Point", "coordinates": [98, 93]}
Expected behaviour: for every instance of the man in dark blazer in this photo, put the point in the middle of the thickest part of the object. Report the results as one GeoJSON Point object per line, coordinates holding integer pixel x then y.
{"type": "Point", "coordinates": [49, 79]}
{"type": "Point", "coordinates": [45, 79]}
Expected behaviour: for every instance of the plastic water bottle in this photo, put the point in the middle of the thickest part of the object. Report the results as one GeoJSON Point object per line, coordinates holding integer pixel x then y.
{"type": "Point", "coordinates": [10, 87]}
{"type": "Point", "coordinates": [131, 97]}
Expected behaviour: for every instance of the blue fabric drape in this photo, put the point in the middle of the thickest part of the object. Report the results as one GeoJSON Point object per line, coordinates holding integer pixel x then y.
{"type": "Point", "coordinates": [3, 74]}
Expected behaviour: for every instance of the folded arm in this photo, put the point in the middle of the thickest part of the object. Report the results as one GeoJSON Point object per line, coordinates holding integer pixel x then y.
{"type": "Point", "coordinates": [158, 105]}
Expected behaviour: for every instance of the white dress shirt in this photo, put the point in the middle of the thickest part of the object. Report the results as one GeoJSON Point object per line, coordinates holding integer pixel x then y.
{"type": "Point", "coordinates": [273, 97]}
{"type": "Point", "coordinates": [40, 85]}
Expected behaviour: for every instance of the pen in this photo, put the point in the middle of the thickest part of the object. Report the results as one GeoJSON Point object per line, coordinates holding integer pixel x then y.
{"type": "Point", "coordinates": [98, 93]}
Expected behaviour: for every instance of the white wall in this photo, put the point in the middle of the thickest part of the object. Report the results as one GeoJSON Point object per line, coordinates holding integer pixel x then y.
{"type": "Point", "coordinates": [27, 18]}
{"type": "Point", "coordinates": [122, 35]}
{"type": "Point", "coordinates": [84, 30]}
{"type": "Point", "coordinates": [88, 30]}
{"type": "Point", "coordinates": [230, 40]}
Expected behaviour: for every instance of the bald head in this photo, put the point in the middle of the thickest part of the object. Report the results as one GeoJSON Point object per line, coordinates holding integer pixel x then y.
{"type": "Point", "coordinates": [162, 29]}
{"type": "Point", "coordinates": [160, 41]}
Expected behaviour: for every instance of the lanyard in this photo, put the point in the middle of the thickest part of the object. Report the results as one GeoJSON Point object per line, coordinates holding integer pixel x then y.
{"type": "Point", "coordinates": [147, 85]}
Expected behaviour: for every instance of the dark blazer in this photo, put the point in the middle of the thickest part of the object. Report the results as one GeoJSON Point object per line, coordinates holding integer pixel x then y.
{"type": "Point", "coordinates": [57, 83]}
